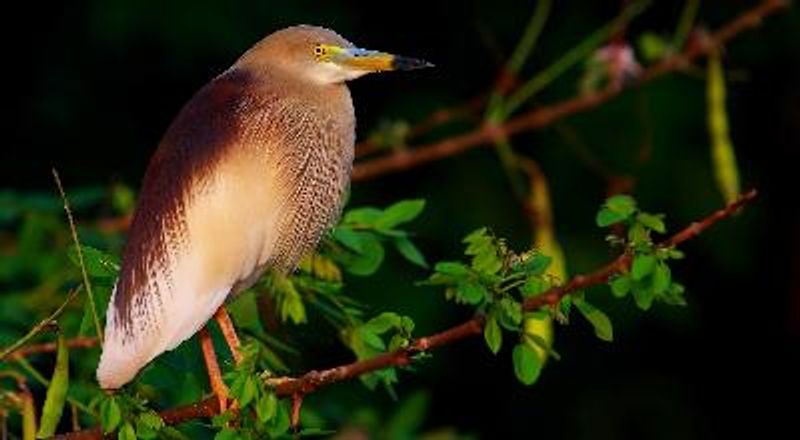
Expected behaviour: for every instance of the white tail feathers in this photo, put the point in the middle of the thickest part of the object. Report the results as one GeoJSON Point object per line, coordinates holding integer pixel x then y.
{"type": "Point", "coordinates": [127, 351]}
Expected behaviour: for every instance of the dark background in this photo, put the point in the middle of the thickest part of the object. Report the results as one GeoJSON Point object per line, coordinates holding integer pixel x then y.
{"type": "Point", "coordinates": [91, 86]}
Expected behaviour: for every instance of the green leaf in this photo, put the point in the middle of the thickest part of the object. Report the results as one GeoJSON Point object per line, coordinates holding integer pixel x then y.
{"type": "Point", "coordinates": [98, 263]}
{"type": "Point", "coordinates": [383, 323]}
{"type": "Point", "coordinates": [622, 204]}
{"type": "Point", "coordinates": [368, 259]}
{"type": "Point", "coordinates": [533, 286]}
{"type": "Point", "coordinates": [56, 392]}
{"type": "Point", "coordinates": [227, 434]}
{"type": "Point", "coordinates": [511, 311]}
{"type": "Point", "coordinates": [493, 335]}
{"type": "Point", "coordinates": [148, 424]}
{"type": "Point", "coordinates": [126, 432]}
{"type": "Point", "coordinates": [621, 285]}
{"type": "Point", "coordinates": [652, 221]}
{"type": "Point", "coordinates": [372, 340]}
{"type": "Point", "coordinates": [249, 391]}
{"type": "Point", "coordinates": [452, 269]}
{"type": "Point", "coordinates": [472, 293]}
{"type": "Point", "coordinates": [400, 212]}
{"type": "Point", "coordinates": [349, 238]}
{"type": "Point", "coordinates": [362, 217]}
{"type": "Point", "coordinates": [484, 250]}
{"type": "Point", "coordinates": [643, 265]}
{"type": "Point", "coordinates": [661, 278]}
{"type": "Point", "coordinates": [266, 407]}
{"type": "Point", "coordinates": [408, 250]}
{"type": "Point", "coordinates": [527, 365]}
{"type": "Point", "coordinates": [643, 296]}
{"type": "Point", "coordinates": [598, 319]}
{"type": "Point", "coordinates": [638, 235]}
{"type": "Point", "coordinates": [616, 209]}
{"type": "Point", "coordinates": [110, 414]}
{"type": "Point", "coordinates": [674, 295]}
{"type": "Point", "coordinates": [280, 423]}
{"type": "Point", "coordinates": [652, 46]}
{"type": "Point", "coordinates": [537, 264]}
{"type": "Point", "coordinates": [606, 217]}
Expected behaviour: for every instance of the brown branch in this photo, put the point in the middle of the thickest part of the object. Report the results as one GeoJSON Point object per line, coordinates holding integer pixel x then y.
{"type": "Point", "coordinates": [544, 116]}
{"type": "Point", "coordinates": [298, 387]}
{"type": "Point", "coordinates": [51, 347]}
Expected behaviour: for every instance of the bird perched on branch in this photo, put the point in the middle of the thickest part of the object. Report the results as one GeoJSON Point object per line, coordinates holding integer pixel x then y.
{"type": "Point", "coordinates": [249, 175]}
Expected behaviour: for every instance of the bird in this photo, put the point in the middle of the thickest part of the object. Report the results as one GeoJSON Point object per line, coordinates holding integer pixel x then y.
{"type": "Point", "coordinates": [247, 178]}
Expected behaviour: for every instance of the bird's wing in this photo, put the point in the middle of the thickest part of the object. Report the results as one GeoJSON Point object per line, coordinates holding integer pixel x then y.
{"type": "Point", "coordinates": [178, 264]}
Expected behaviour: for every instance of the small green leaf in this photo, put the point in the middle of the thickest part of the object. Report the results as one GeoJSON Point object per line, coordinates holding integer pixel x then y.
{"type": "Point", "coordinates": [266, 407]}
{"type": "Point", "coordinates": [453, 269]}
{"type": "Point", "coordinates": [638, 235]}
{"type": "Point", "coordinates": [621, 285]}
{"type": "Point", "coordinates": [661, 278]}
{"type": "Point", "coordinates": [652, 221]}
{"type": "Point", "coordinates": [527, 365]}
{"type": "Point", "coordinates": [674, 295]}
{"type": "Point", "coordinates": [643, 296]}
{"type": "Point", "coordinates": [249, 392]}
{"type": "Point", "coordinates": [602, 325]}
{"type": "Point", "coordinates": [472, 293]}
{"type": "Point", "coordinates": [643, 265]}
{"type": "Point", "coordinates": [362, 217]}
{"type": "Point", "coordinates": [279, 424]}
{"type": "Point", "coordinates": [98, 263]}
{"type": "Point", "coordinates": [56, 392]}
{"type": "Point", "coordinates": [148, 424]}
{"type": "Point", "coordinates": [349, 238]}
{"type": "Point", "coordinates": [616, 209]}
{"type": "Point", "coordinates": [110, 414]}
{"type": "Point", "coordinates": [227, 434]}
{"type": "Point", "coordinates": [622, 204]}
{"type": "Point", "coordinates": [537, 264]}
{"type": "Point", "coordinates": [400, 212]}
{"type": "Point", "coordinates": [533, 286]}
{"type": "Point", "coordinates": [368, 259]}
{"type": "Point", "coordinates": [606, 217]}
{"type": "Point", "coordinates": [493, 335]}
{"type": "Point", "coordinates": [408, 250]}
{"type": "Point", "coordinates": [511, 311]}
{"type": "Point", "coordinates": [652, 46]}
{"type": "Point", "coordinates": [126, 432]}
{"type": "Point", "coordinates": [383, 323]}
{"type": "Point", "coordinates": [484, 251]}
{"type": "Point", "coordinates": [372, 340]}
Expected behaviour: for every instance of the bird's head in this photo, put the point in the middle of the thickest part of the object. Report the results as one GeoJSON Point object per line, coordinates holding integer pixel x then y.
{"type": "Point", "coordinates": [322, 56]}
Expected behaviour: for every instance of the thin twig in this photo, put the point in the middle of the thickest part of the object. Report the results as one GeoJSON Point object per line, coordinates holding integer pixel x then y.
{"type": "Point", "coordinates": [544, 116]}
{"type": "Point", "coordinates": [78, 249]}
{"type": "Point", "coordinates": [49, 347]}
{"type": "Point", "coordinates": [313, 380]}
{"type": "Point", "coordinates": [43, 324]}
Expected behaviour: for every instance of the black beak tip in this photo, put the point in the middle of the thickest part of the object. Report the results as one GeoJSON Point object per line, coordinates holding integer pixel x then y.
{"type": "Point", "coordinates": [406, 63]}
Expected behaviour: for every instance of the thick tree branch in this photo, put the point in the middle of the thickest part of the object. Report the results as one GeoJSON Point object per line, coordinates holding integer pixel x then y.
{"type": "Point", "coordinates": [313, 380]}
{"type": "Point", "coordinates": [544, 116]}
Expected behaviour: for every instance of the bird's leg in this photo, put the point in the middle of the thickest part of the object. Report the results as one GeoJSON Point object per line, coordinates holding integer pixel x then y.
{"type": "Point", "coordinates": [214, 375]}
{"type": "Point", "coordinates": [226, 326]}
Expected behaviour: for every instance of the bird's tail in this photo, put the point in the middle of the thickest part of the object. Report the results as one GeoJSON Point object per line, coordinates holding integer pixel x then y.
{"type": "Point", "coordinates": [153, 330]}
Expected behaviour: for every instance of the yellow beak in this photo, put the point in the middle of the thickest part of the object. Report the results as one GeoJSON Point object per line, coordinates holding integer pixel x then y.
{"type": "Point", "coordinates": [370, 60]}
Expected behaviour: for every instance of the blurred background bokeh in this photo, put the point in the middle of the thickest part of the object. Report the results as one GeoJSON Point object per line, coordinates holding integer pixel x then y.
{"type": "Point", "coordinates": [92, 85]}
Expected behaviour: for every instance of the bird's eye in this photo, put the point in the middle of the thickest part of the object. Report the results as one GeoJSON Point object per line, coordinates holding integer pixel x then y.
{"type": "Point", "coordinates": [319, 50]}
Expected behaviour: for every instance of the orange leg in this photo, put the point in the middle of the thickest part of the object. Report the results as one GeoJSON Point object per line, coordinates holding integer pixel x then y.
{"type": "Point", "coordinates": [214, 375]}
{"type": "Point", "coordinates": [226, 326]}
